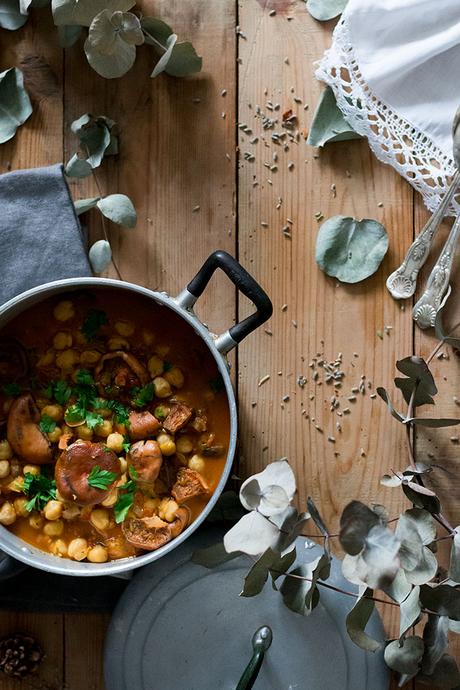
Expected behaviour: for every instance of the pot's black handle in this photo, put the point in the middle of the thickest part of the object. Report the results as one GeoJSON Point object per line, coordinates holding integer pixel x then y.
{"type": "Point", "coordinates": [245, 283]}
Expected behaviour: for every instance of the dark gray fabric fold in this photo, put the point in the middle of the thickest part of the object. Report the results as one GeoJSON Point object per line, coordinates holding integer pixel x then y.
{"type": "Point", "coordinates": [40, 236]}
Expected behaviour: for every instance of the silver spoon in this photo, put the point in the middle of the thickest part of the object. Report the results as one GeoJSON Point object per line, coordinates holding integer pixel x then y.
{"type": "Point", "coordinates": [403, 281]}
{"type": "Point", "coordinates": [261, 642]}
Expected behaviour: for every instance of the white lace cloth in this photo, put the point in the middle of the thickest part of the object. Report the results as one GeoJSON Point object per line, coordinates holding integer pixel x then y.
{"type": "Point", "coordinates": [394, 67]}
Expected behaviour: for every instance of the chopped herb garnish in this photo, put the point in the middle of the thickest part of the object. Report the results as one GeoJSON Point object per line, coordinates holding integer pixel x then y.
{"type": "Point", "coordinates": [126, 499]}
{"type": "Point", "coordinates": [120, 411]}
{"type": "Point", "coordinates": [84, 377]}
{"type": "Point", "coordinates": [126, 444]}
{"type": "Point", "coordinates": [167, 366]}
{"type": "Point", "coordinates": [39, 489]}
{"type": "Point", "coordinates": [95, 319]}
{"type": "Point", "coordinates": [59, 390]}
{"type": "Point", "coordinates": [46, 424]}
{"type": "Point", "coordinates": [217, 384]}
{"type": "Point", "coordinates": [75, 414]}
{"type": "Point", "coordinates": [11, 389]}
{"type": "Point", "coordinates": [93, 420]}
{"type": "Point", "coordinates": [101, 479]}
{"type": "Point", "coordinates": [143, 396]}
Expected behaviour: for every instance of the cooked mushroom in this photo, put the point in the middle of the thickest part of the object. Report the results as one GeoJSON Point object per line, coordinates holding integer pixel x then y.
{"type": "Point", "coordinates": [23, 433]}
{"type": "Point", "coordinates": [142, 425]}
{"type": "Point", "coordinates": [189, 483]}
{"type": "Point", "coordinates": [150, 533]}
{"type": "Point", "coordinates": [74, 467]}
{"type": "Point", "coordinates": [178, 417]}
{"type": "Point", "coordinates": [133, 363]}
{"type": "Point", "coordinates": [146, 458]}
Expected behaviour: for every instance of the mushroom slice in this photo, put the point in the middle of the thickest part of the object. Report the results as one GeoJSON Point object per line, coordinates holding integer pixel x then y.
{"type": "Point", "coordinates": [23, 433]}
{"type": "Point", "coordinates": [151, 533]}
{"type": "Point", "coordinates": [74, 467]}
{"type": "Point", "coordinates": [142, 425]}
{"type": "Point", "coordinates": [189, 483]}
{"type": "Point", "coordinates": [146, 458]}
{"type": "Point", "coordinates": [139, 370]}
{"type": "Point", "coordinates": [178, 417]}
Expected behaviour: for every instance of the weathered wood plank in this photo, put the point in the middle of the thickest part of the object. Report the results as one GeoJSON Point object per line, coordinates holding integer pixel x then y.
{"type": "Point", "coordinates": [84, 643]}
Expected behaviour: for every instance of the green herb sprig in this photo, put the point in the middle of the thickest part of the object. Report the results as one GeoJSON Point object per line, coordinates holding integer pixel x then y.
{"type": "Point", "coordinates": [46, 424]}
{"type": "Point", "coordinates": [40, 489]}
{"type": "Point", "coordinates": [101, 479]}
{"type": "Point", "coordinates": [94, 320]}
{"type": "Point", "coordinates": [126, 497]}
{"type": "Point", "coordinates": [143, 396]}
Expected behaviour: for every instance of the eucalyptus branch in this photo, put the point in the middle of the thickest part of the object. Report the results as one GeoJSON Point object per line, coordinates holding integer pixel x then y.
{"type": "Point", "coordinates": [104, 225]}
{"type": "Point", "coordinates": [154, 40]}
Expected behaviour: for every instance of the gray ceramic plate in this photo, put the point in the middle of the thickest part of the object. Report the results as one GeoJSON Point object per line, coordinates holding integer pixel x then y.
{"type": "Point", "coordinates": [179, 626]}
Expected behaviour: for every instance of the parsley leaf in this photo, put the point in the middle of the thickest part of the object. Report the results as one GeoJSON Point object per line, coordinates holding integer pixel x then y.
{"type": "Point", "coordinates": [126, 499]}
{"type": "Point", "coordinates": [75, 414]}
{"type": "Point", "coordinates": [95, 318]}
{"type": "Point", "coordinates": [101, 479]}
{"type": "Point", "coordinates": [59, 390]}
{"type": "Point", "coordinates": [143, 396]}
{"type": "Point", "coordinates": [11, 389]}
{"type": "Point", "coordinates": [39, 489]}
{"type": "Point", "coordinates": [46, 424]}
{"type": "Point", "coordinates": [120, 411]}
{"type": "Point", "coordinates": [92, 420]}
{"type": "Point", "coordinates": [126, 444]}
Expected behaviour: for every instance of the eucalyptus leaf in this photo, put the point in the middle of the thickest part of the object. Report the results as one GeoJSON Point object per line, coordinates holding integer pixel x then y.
{"type": "Point", "coordinates": [435, 638]}
{"type": "Point", "coordinates": [164, 59]}
{"type": "Point", "coordinates": [129, 28]}
{"type": "Point", "coordinates": [328, 124]}
{"type": "Point", "coordinates": [316, 517]}
{"type": "Point", "coordinates": [408, 386]}
{"type": "Point", "coordinates": [82, 12]}
{"type": "Point", "coordinates": [184, 60]}
{"type": "Point", "coordinates": [107, 52]}
{"type": "Point", "coordinates": [24, 6]}
{"type": "Point", "coordinates": [95, 135]}
{"type": "Point", "coordinates": [119, 209]}
{"type": "Point", "coordinates": [212, 556]}
{"type": "Point", "coordinates": [78, 167]}
{"type": "Point", "coordinates": [281, 564]}
{"type": "Point", "coordinates": [386, 398]}
{"type": "Point", "coordinates": [302, 595]}
{"type": "Point", "coordinates": [432, 423]}
{"type": "Point", "coordinates": [405, 656]}
{"type": "Point", "coordinates": [422, 497]}
{"type": "Point", "coordinates": [400, 588]}
{"type": "Point", "coordinates": [357, 620]}
{"type": "Point", "coordinates": [84, 205]}
{"type": "Point", "coordinates": [262, 490]}
{"type": "Point", "coordinates": [155, 29]}
{"type": "Point", "coordinates": [290, 530]}
{"type": "Point", "coordinates": [416, 368]}
{"type": "Point", "coordinates": [454, 567]}
{"type": "Point", "coordinates": [253, 535]}
{"type": "Point", "coordinates": [256, 578]}
{"type": "Point", "coordinates": [68, 35]}
{"type": "Point", "coordinates": [355, 523]}
{"type": "Point", "coordinates": [415, 530]}
{"type": "Point", "coordinates": [323, 10]}
{"type": "Point", "coordinates": [392, 480]}
{"type": "Point", "coordinates": [100, 256]}
{"type": "Point", "coordinates": [349, 249]}
{"type": "Point", "coordinates": [15, 105]}
{"type": "Point", "coordinates": [409, 611]}
{"type": "Point", "coordinates": [441, 599]}
{"type": "Point", "coordinates": [378, 563]}
{"type": "Point", "coordinates": [11, 17]}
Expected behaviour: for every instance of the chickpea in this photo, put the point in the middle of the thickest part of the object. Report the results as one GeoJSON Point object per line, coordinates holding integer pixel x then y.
{"type": "Point", "coordinates": [53, 510]}
{"type": "Point", "coordinates": [98, 554]}
{"type": "Point", "coordinates": [62, 340]}
{"type": "Point", "coordinates": [125, 328]}
{"type": "Point", "coordinates": [15, 467]}
{"type": "Point", "coordinates": [59, 548]}
{"type": "Point", "coordinates": [55, 435]}
{"type": "Point", "coordinates": [120, 428]}
{"type": "Point", "coordinates": [71, 511]}
{"type": "Point", "coordinates": [162, 387]}
{"type": "Point", "coordinates": [84, 432]}
{"type": "Point", "coordinates": [115, 442]}
{"type": "Point", "coordinates": [104, 429]}
{"type": "Point", "coordinates": [66, 359]}
{"type": "Point", "coordinates": [89, 357]}
{"type": "Point", "coordinates": [7, 514]}
{"type": "Point", "coordinates": [184, 444]}
{"type": "Point", "coordinates": [161, 412]}
{"type": "Point", "coordinates": [6, 452]}
{"type": "Point", "coordinates": [162, 350]}
{"type": "Point", "coordinates": [16, 485]}
{"type": "Point", "coordinates": [36, 520]}
{"type": "Point", "coordinates": [111, 499]}
{"type": "Point", "coordinates": [31, 469]}
{"type": "Point", "coordinates": [155, 366]}
{"type": "Point", "coordinates": [166, 443]}
{"type": "Point", "coordinates": [196, 463]}
{"type": "Point", "coordinates": [4, 468]}
{"type": "Point", "coordinates": [175, 377]}
{"type": "Point", "coordinates": [78, 549]}
{"type": "Point", "coordinates": [123, 465]}
{"type": "Point", "coordinates": [64, 311]}
{"type": "Point", "coordinates": [20, 506]}
{"type": "Point", "coordinates": [54, 529]}
{"type": "Point", "coordinates": [167, 509]}
{"type": "Point", "coordinates": [46, 359]}
{"type": "Point", "coordinates": [54, 411]}
{"type": "Point", "coordinates": [148, 337]}
{"type": "Point", "coordinates": [100, 518]}
{"type": "Point", "coordinates": [104, 412]}
{"type": "Point", "coordinates": [116, 342]}
{"type": "Point", "coordinates": [151, 505]}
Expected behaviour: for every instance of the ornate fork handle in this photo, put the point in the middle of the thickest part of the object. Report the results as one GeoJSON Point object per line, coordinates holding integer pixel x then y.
{"type": "Point", "coordinates": [402, 282]}
{"type": "Point", "coordinates": [428, 305]}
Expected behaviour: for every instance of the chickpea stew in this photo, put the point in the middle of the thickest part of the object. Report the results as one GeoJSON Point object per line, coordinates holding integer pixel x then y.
{"type": "Point", "coordinates": [114, 425]}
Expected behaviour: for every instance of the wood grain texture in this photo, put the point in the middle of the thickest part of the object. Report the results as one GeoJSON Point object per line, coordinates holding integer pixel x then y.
{"type": "Point", "coordinates": [84, 644]}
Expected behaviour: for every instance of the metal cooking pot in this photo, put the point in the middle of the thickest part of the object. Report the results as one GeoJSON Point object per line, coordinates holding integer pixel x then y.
{"type": "Point", "coordinates": [218, 346]}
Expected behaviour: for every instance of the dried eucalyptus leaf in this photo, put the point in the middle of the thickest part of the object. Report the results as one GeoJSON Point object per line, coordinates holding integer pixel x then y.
{"type": "Point", "coordinates": [291, 530]}
{"type": "Point", "coordinates": [385, 397]}
{"type": "Point", "coordinates": [15, 106]}
{"type": "Point", "coordinates": [323, 10]}
{"type": "Point", "coordinates": [107, 53]}
{"type": "Point", "coordinates": [435, 638]}
{"type": "Point", "coordinates": [409, 611]}
{"type": "Point", "coordinates": [357, 620]}
{"type": "Point", "coordinates": [68, 35]}
{"type": "Point", "coordinates": [119, 209]}
{"type": "Point", "coordinates": [445, 674]}
{"type": "Point", "coordinates": [422, 497]}
{"type": "Point", "coordinates": [416, 368]}
{"type": "Point", "coordinates": [423, 522]}
{"type": "Point", "coordinates": [156, 29]}
{"type": "Point", "coordinates": [84, 205]}
{"type": "Point", "coordinates": [213, 556]}
{"type": "Point", "coordinates": [78, 167]}
{"type": "Point", "coordinates": [128, 27]}
{"type": "Point", "coordinates": [281, 564]}
{"type": "Point", "coordinates": [256, 578]}
{"type": "Point", "coordinates": [328, 122]}
{"type": "Point", "coordinates": [454, 567]}
{"type": "Point", "coordinates": [82, 12]}
{"type": "Point", "coordinates": [321, 571]}
{"type": "Point", "coordinates": [164, 59]}
{"type": "Point", "coordinates": [100, 256]}
{"type": "Point", "coordinates": [407, 387]}
{"type": "Point", "coordinates": [405, 656]}
{"type": "Point", "coordinates": [258, 491]}
{"type": "Point", "coordinates": [349, 249]}
{"type": "Point", "coordinates": [441, 599]}
{"type": "Point", "coordinates": [11, 17]}
{"type": "Point", "coordinates": [378, 563]}
{"type": "Point", "coordinates": [433, 423]}
{"type": "Point", "coordinates": [253, 535]}
{"type": "Point", "coordinates": [301, 595]}
{"type": "Point", "coordinates": [184, 60]}
{"type": "Point", "coordinates": [355, 523]}
{"type": "Point", "coordinates": [250, 493]}
{"type": "Point", "coordinates": [400, 588]}
{"type": "Point", "coordinates": [96, 136]}
{"type": "Point", "coordinates": [316, 517]}
{"type": "Point", "coordinates": [410, 552]}
{"type": "Point", "coordinates": [391, 480]}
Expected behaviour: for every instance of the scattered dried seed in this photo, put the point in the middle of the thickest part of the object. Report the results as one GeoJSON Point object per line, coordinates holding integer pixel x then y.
{"type": "Point", "coordinates": [268, 331]}
{"type": "Point", "coordinates": [351, 398]}
{"type": "Point", "coordinates": [334, 190]}
{"type": "Point", "coordinates": [196, 100]}
{"type": "Point", "coordinates": [195, 209]}
{"type": "Point", "coordinates": [346, 410]}
{"type": "Point", "coordinates": [331, 439]}
{"type": "Point", "coordinates": [373, 396]}
{"type": "Point", "coordinates": [286, 398]}
{"type": "Point", "coordinates": [301, 381]}
{"type": "Point", "coordinates": [263, 380]}
{"type": "Point", "coordinates": [264, 224]}
{"type": "Point", "coordinates": [318, 428]}
{"type": "Point", "coordinates": [454, 439]}
{"type": "Point", "coordinates": [290, 165]}
{"type": "Point", "coordinates": [380, 204]}
{"type": "Point", "coordinates": [254, 403]}
{"type": "Point", "coordinates": [284, 307]}
{"type": "Point", "coordinates": [294, 323]}
{"type": "Point", "coordinates": [223, 92]}
{"type": "Point", "coordinates": [380, 334]}
{"type": "Point", "coordinates": [362, 453]}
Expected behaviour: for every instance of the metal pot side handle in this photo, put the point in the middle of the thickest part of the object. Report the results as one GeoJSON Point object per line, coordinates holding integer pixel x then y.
{"type": "Point", "coordinates": [245, 284]}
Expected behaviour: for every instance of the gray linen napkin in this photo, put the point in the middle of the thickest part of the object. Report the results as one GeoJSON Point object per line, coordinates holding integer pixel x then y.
{"type": "Point", "coordinates": [40, 236]}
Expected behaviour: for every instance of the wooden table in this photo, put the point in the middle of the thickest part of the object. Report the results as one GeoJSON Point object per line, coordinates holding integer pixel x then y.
{"type": "Point", "coordinates": [181, 149]}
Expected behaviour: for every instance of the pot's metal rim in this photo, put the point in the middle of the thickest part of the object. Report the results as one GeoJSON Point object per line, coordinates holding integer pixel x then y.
{"type": "Point", "coordinates": [19, 549]}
